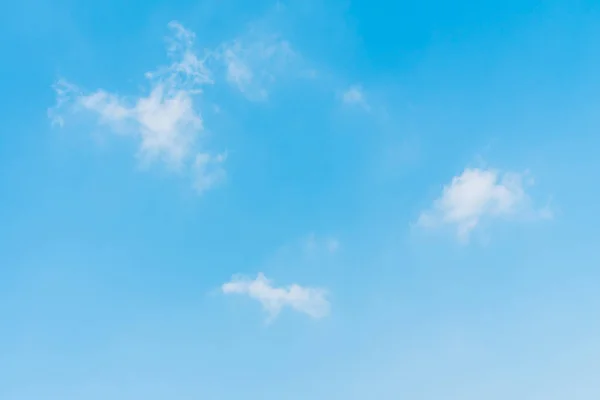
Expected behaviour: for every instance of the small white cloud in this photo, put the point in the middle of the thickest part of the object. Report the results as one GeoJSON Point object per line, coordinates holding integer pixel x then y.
{"type": "Point", "coordinates": [354, 96]}
{"type": "Point", "coordinates": [310, 301]}
{"type": "Point", "coordinates": [187, 70]}
{"type": "Point", "coordinates": [239, 74]}
{"type": "Point", "coordinates": [64, 92]}
{"type": "Point", "coordinates": [478, 194]}
{"type": "Point", "coordinates": [254, 62]}
{"type": "Point", "coordinates": [165, 121]}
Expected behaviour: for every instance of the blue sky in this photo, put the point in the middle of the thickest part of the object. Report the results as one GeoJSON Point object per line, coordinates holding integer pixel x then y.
{"type": "Point", "coordinates": [299, 200]}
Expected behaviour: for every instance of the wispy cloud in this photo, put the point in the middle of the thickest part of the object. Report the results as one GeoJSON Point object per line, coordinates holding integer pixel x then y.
{"type": "Point", "coordinates": [477, 194]}
{"type": "Point", "coordinates": [165, 118]}
{"type": "Point", "coordinates": [253, 63]}
{"type": "Point", "coordinates": [64, 92]}
{"type": "Point", "coordinates": [207, 171]}
{"type": "Point", "coordinates": [354, 96]}
{"type": "Point", "coordinates": [307, 300]}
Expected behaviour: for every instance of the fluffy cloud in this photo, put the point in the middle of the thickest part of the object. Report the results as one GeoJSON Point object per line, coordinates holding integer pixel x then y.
{"type": "Point", "coordinates": [307, 300]}
{"type": "Point", "coordinates": [478, 194]}
{"type": "Point", "coordinates": [165, 118]}
{"type": "Point", "coordinates": [354, 96]}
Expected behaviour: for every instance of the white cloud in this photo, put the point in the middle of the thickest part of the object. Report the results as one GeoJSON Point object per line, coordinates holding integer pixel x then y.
{"type": "Point", "coordinates": [239, 73]}
{"type": "Point", "coordinates": [186, 69]}
{"type": "Point", "coordinates": [354, 95]}
{"type": "Point", "coordinates": [165, 118]}
{"type": "Point", "coordinates": [307, 300]}
{"type": "Point", "coordinates": [477, 194]}
{"type": "Point", "coordinates": [64, 91]}
{"type": "Point", "coordinates": [253, 63]}
{"type": "Point", "coordinates": [165, 121]}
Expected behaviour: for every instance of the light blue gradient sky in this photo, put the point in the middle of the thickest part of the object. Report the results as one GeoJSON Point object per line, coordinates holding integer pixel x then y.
{"type": "Point", "coordinates": [110, 273]}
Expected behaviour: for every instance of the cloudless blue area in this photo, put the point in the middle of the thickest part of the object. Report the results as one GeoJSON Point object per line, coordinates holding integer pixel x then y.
{"type": "Point", "coordinates": [109, 275]}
